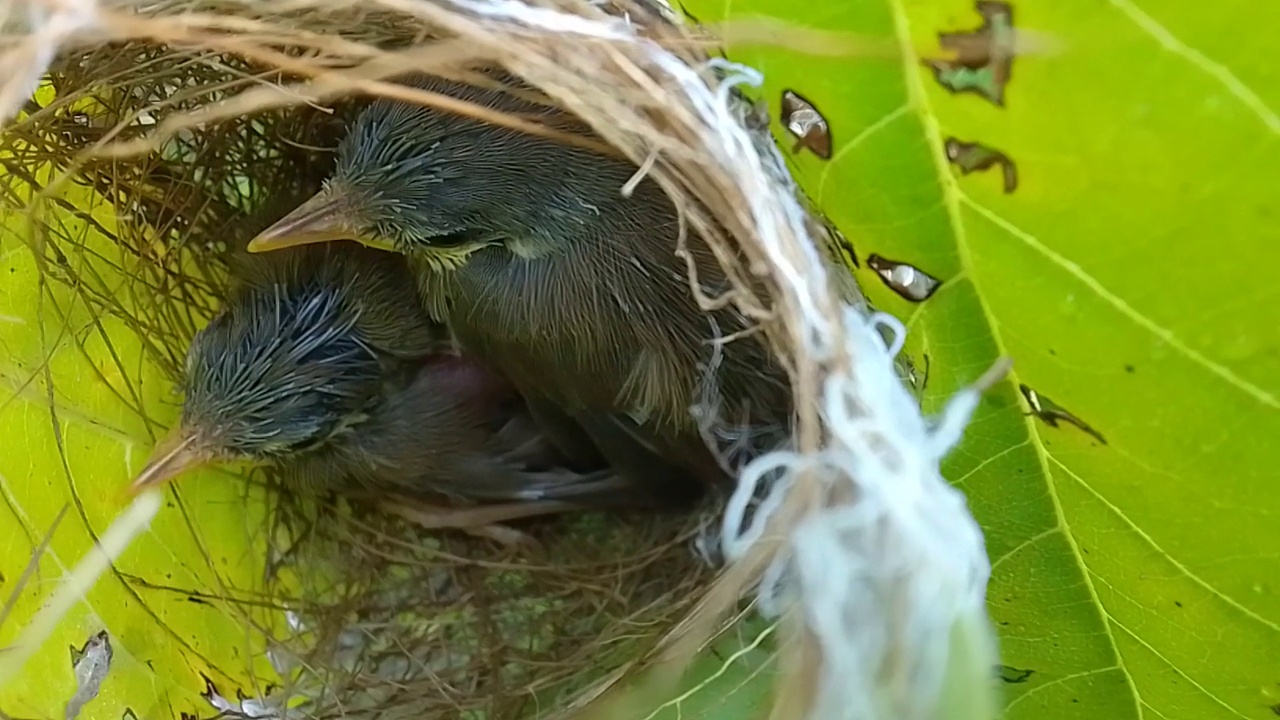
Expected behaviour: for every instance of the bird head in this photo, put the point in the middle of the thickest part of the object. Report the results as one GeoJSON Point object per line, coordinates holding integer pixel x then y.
{"type": "Point", "coordinates": [440, 185]}
{"type": "Point", "coordinates": [275, 374]}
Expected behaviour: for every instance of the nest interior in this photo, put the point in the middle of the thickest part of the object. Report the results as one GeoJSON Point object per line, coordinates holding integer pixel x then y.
{"type": "Point", "coordinates": [369, 615]}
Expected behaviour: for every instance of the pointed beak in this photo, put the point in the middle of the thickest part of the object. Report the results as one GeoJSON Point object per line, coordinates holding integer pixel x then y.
{"type": "Point", "coordinates": [178, 453]}
{"type": "Point", "coordinates": [323, 218]}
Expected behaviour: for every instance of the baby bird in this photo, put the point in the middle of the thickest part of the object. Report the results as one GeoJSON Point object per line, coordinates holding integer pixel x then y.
{"type": "Point", "coordinates": [318, 365]}
{"type": "Point", "coordinates": [527, 248]}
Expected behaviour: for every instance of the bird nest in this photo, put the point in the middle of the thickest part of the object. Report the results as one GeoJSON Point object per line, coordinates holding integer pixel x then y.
{"type": "Point", "coordinates": [181, 120]}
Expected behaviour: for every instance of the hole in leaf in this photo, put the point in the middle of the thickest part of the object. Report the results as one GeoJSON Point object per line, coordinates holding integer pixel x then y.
{"type": "Point", "coordinates": [976, 157]}
{"type": "Point", "coordinates": [908, 281]}
{"type": "Point", "coordinates": [1013, 675]}
{"type": "Point", "coordinates": [90, 665]}
{"type": "Point", "coordinates": [806, 124]}
{"type": "Point", "coordinates": [982, 58]}
{"type": "Point", "coordinates": [916, 374]}
{"type": "Point", "coordinates": [210, 690]}
{"type": "Point", "coordinates": [1051, 413]}
{"type": "Point", "coordinates": [827, 233]}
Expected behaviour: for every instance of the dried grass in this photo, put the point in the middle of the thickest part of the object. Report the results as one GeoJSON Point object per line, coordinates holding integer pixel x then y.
{"type": "Point", "coordinates": [188, 114]}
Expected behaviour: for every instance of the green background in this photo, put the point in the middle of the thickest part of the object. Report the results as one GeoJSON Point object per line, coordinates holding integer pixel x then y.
{"type": "Point", "coordinates": [1130, 276]}
{"type": "Point", "coordinates": [75, 385]}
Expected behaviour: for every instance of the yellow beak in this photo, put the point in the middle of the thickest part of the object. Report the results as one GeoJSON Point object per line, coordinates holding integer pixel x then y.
{"type": "Point", "coordinates": [325, 217]}
{"type": "Point", "coordinates": [179, 452]}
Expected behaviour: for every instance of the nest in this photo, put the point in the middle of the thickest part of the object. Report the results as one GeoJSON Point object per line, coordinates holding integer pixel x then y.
{"type": "Point", "coordinates": [178, 125]}
{"type": "Point", "coordinates": [186, 117]}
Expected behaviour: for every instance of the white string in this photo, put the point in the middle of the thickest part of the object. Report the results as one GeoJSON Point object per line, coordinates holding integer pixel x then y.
{"type": "Point", "coordinates": [882, 581]}
{"type": "Point", "coordinates": [884, 578]}
{"type": "Point", "coordinates": [49, 25]}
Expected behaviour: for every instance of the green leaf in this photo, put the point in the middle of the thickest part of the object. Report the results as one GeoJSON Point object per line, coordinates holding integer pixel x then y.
{"type": "Point", "coordinates": [1129, 276]}
{"type": "Point", "coordinates": [731, 679]}
{"type": "Point", "coordinates": [73, 380]}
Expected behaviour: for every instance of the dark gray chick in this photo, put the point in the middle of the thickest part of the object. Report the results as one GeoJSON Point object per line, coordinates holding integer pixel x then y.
{"type": "Point", "coordinates": [321, 365]}
{"type": "Point", "coordinates": [528, 249]}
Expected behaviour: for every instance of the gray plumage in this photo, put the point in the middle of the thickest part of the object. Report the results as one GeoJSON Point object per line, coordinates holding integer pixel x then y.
{"type": "Point", "coordinates": [319, 366]}
{"type": "Point", "coordinates": [526, 247]}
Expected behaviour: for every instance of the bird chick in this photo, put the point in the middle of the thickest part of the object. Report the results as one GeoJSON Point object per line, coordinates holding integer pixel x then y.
{"type": "Point", "coordinates": [527, 247]}
{"type": "Point", "coordinates": [317, 365]}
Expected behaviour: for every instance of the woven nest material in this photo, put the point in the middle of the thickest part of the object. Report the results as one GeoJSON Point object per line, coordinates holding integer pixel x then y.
{"type": "Point", "coordinates": [188, 116]}
{"type": "Point", "coordinates": [179, 122]}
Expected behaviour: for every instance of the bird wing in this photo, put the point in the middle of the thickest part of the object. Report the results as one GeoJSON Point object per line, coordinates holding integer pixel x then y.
{"type": "Point", "coordinates": [594, 341]}
{"type": "Point", "coordinates": [460, 432]}
{"type": "Point", "coordinates": [672, 469]}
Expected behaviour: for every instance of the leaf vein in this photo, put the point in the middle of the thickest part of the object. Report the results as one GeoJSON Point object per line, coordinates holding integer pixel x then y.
{"type": "Point", "coordinates": [1213, 69]}
{"type": "Point", "coordinates": [1106, 618]}
{"type": "Point", "coordinates": [1223, 372]}
{"type": "Point", "coordinates": [29, 392]}
{"type": "Point", "coordinates": [1058, 681]}
{"type": "Point", "coordinates": [1175, 668]}
{"type": "Point", "coordinates": [1150, 707]}
{"type": "Point", "coordinates": [1024, 545]}
{"type": "Point", "coordinates": [1271, 625]}
{"type": "Point", "coordinates": [861, 137]}
{"type": "Point", "coordinates": [990, 459]}
{"type": "Point", "coordinates": [919, 308]}
{"type": "Point", "coordinates": [951, 197]}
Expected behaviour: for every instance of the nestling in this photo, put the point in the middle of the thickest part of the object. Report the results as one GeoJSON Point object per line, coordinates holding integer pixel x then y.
{"type": "Point", "coordinates": [528, 249]}
{"type": "Point", "coordinates": [319, 366]}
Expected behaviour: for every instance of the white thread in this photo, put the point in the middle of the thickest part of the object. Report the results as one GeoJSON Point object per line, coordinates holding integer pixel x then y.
{"type": "Point", "coordinates": [49, 25]}
{"type": "Point", "coordinates": [735, 540]}
{"type": "Point", "coordinates": [887, 575]}
{"type": "Point", "coordinates": [880, 319]}
{"type": "Point", "coordinates": [881, 581]}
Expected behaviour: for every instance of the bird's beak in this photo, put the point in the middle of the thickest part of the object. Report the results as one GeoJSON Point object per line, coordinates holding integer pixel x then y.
{"type": "Point", "coordinates": [177, 453]}
{"type": "Point", "coordinates": [323, 218]}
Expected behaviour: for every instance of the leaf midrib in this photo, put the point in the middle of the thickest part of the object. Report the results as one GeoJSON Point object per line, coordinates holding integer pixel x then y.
{"type": "Point", "coordinates": [917, 98]}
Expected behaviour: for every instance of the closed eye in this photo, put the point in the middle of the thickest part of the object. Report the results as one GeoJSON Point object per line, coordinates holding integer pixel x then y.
{"type": "Point", "coordinates": [463, 238]}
